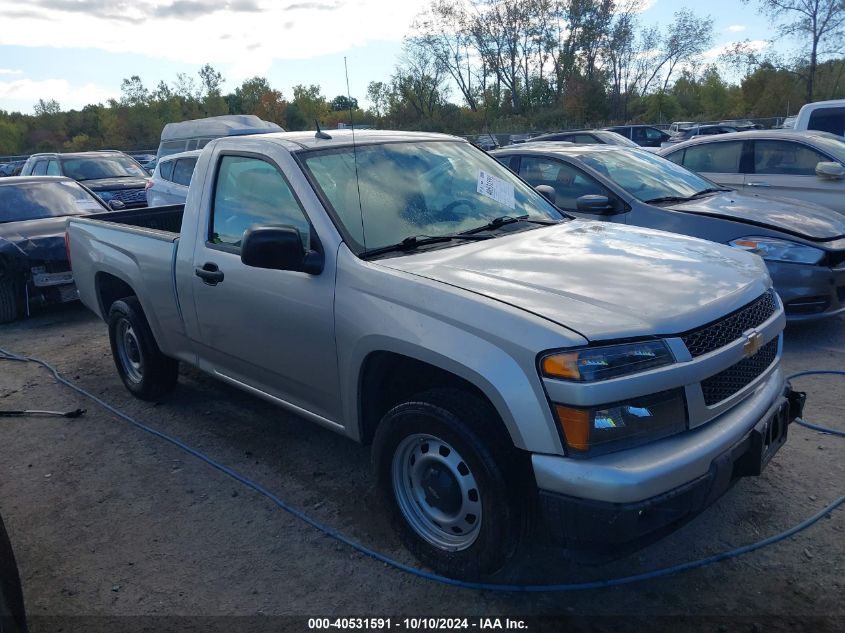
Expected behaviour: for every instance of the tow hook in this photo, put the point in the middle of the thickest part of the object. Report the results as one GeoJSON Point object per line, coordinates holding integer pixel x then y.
{"type": "Point", "coordinates": [796, 401]}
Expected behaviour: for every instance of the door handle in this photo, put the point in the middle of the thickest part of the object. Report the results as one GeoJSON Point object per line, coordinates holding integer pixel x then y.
{"type": "Point", "coordinates": [209, 273]}
{"type": "Point", "coordinates": [759, 184]}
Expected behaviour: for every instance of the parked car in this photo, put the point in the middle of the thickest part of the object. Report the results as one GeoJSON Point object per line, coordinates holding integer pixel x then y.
{"type": "Point", "coordinates": [680, 126]}
{"type": "Point", "coordinates": [408, 291]}
{"type": "Point", "coordinates": [172, 175]}
{"type": "Point", "coordinates": [787, 124]}
{"type": "Point", "coordinates": [34, 269]}
{"type": "Point", "coordinates": [642, 135]}
{"type": "Point", "coordinates": [587, 137]}
{"type": "Point", "coordinates": [115, 177]}
{"type": "Point", "coordinates": [698, 130]}
{"type": "Point", "coordinates": [803, 244]}
{"type": "Point", "coordinates": [808, 166]}
{"type": "Point", "coordinates": [742, 125]}
{"type": "Point", "coordinates": [485, 142]}
{"type": "Point", "coordinates": [11, 169]}
{"type": "Point", "coordinates": [12, 612]}
{"type": "Point", "coordinates": [824, 116]}
{"type": "Point", "coordinates": [186, 136]}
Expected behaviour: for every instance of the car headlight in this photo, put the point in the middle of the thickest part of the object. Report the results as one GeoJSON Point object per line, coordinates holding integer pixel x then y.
{"type": "Point", "coordinates": [775, 250]}
{"type": "Point", "coordinates": [600, 363]}
{"type": "Point", "coordinates": [607, 428]}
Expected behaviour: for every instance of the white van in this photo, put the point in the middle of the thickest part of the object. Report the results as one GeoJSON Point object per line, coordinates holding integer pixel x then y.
{"type": "Point", "coordinates": [186, 136]}
{"type": "Point", "coordinates": [825, 116]}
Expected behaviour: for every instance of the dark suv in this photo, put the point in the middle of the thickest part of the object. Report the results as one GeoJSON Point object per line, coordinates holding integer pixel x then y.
{"type": "Point", "coordinates": [116, 178]}
{"type": "Point", "coordinates": [642, 135]}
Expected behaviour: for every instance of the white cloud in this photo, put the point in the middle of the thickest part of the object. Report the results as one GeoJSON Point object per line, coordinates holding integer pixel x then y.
{"type": "Point", "coordinates": [713, 53]}
{"type": "Point", "coordinates": [736, 28]}
{"type": "Point", "coordinates": [10, 71]}
{"type": "Point", "coordinates": [58, 89]}
{"type": "Point", "coordinates": [242, 36]}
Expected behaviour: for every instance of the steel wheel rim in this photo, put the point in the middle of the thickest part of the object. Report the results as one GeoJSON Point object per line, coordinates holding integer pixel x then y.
{"type": "Point", "coordinates": [437, 492]}
{"type": "Point", "coordinates": [129, 351]}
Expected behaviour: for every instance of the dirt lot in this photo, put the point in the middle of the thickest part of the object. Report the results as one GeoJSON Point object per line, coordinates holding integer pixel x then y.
{"type": "Point", "coordinates": [116, 530]}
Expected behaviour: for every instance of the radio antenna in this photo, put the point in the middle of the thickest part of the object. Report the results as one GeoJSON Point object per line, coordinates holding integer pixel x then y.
{"type": "Point", "coordinates": [355, 153]}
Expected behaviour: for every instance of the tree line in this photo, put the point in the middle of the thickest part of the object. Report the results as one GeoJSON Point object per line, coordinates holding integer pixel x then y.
{"type": "Point", "coordinates": [472, 66]}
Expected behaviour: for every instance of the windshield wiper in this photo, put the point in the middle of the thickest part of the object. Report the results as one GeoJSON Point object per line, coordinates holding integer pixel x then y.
{"type": "Point", "coordinates": [698, 194]}
{"type": "Point", "coordinates": [704, 192]}
{"type": "Point", "coordinates": [495, 223]}
{"type": "Point", "coordinates": [415, 241]}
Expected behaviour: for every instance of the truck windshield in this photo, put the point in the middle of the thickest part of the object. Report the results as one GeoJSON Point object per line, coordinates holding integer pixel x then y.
{"type": "Point", "coordinates": [37, 200]}
{"type": "Point", "coordinates": [115, 166]}
{"type": "Point", "coordinates": [432, 189]}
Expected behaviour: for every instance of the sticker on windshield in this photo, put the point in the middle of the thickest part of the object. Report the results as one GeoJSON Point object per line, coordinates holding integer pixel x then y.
{"type": "Point", "coordinates": [88, 204]}
{"type": "Point", "coordinates": [495, 188]}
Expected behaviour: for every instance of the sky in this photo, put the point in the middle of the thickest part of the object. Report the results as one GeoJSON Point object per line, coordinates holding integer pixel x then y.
{"type": "Point", "coordinates": [78, 51]}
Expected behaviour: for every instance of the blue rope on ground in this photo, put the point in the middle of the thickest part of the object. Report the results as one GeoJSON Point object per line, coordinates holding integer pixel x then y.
{"type": "Point", "coordinates": [482, 586]}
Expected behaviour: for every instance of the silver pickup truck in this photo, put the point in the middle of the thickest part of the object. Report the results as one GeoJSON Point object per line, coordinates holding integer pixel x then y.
{"type": "Point", "coordinates": [506, 362]}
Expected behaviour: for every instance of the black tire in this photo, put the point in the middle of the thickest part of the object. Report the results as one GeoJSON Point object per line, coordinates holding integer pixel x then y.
{"type": "Point", "coordinates": [12, 612]}
{"type": "Point", "coordinates": [11, 302]}
{"type": "Point", "coordinates": [462, 422]}
{"type": "Point", "coordinates": [145, 371]}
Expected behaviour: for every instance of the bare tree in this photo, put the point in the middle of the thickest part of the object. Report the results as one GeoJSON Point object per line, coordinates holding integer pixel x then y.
{"type": "Point", "coordinates": [685, 39]}
{"type": "Point", "coordinates": [818, 24]}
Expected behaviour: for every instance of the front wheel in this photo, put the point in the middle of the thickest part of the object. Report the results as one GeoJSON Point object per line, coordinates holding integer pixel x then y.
{"type": "Point", "coordinates": [11, 301]}
{"type": "Point", "coordinates": [144, 370]}
{"type": "Point", "coordinates": [452, 486]}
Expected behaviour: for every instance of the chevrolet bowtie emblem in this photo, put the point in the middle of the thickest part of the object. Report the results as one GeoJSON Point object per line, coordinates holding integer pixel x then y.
{"type": "Point", "coordinates": [753, 343]}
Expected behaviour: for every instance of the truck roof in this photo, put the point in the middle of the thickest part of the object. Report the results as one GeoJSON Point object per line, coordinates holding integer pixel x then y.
{"type": "Point", "coordinates": [341, 138]}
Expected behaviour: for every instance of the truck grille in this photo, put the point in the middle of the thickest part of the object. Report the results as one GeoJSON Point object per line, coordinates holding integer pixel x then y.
{"type": "Point", "coordinates": [727, 382]}
{"type": "Point", "coordinates": [130, 197]}
{"type": "Point", "coordinates": [727, 329]}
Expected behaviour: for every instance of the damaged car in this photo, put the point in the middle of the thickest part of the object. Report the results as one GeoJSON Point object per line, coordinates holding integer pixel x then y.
{"type": "Point", "coordinates": [34, 268]}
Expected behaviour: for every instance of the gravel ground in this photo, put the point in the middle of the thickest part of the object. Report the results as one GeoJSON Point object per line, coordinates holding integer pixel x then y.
{"type": "Point", "coordinates": [116, 530]}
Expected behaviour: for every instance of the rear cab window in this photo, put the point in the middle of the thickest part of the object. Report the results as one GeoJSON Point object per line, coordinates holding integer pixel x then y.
{"type": "Point", "coordinates": [828, 120]}
{"type": "Point", "coordinates": [165, 170]}
{"type": "Point", "coordinates": [183, 171]}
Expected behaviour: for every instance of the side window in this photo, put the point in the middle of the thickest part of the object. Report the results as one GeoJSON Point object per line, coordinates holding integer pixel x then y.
{"type": "Point", "coordinates": [40, 168]}
{"type": "Point", "coordinates": [828, 120]}
{"type": "Point", "coordinates": [639, 134]}
{"type": "Point", "coordinates": [676, 157]}
{"type": "Point", "coordinates": [165, 169]}
{"type": "Point", "coordinates": [719, 158]}
{"type": "Point", "coordinates": [184, 170]}
{"type": "Point", "coordinates": [53, 168]}
{"type": "Point", "coordinates": [192, 145]}
{"type": "Point", "coordinates": [785, 158]}
{"type": "Point", "coordinates": [584, 139]}
{"type": "Point", "coordinates": [203, 142]}
{"type": "Point", "coordinates": [250, 191]}
{"type": "Point", "coordinates": [653, 134]}
{"type": "Point", "coordinates": [568, 182]}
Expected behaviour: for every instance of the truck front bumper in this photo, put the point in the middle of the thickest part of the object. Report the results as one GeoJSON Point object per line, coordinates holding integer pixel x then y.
{"type": "Point", "coordinates": [575, 521]}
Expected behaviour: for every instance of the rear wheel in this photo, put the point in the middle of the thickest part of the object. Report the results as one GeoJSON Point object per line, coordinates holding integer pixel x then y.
{"type": "Point", "coordinates": [144, 370]}
{"type": "Point", "coordinates": [452, 483]}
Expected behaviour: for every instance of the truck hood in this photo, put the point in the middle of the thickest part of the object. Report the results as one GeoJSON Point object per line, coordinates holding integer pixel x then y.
{"type": "Point", "coordinates": [42, 239]}
{"type": "Point", "coordinates": [601, 280]}
{"type": "Point", "coordinates": [802, 219]}
{"type": "Point", "coordinates": [115, 184]}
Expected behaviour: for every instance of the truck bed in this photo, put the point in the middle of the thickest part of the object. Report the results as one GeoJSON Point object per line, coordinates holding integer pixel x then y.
{"type": "Point", "coordinates": [166, 218]}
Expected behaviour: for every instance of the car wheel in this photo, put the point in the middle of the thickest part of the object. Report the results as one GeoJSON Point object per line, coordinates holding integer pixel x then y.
{"type": "Point", "coordinates": [12, 612]}
{"type": "Point", "coordinates": [145, 371]}
{"type": "Point", "coordinates": [11, 304]}
{"type": "Point", "coordinates": [452, 484]}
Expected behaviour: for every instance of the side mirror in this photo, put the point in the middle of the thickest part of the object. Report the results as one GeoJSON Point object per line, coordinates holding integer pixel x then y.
{"type": "Point", "coordinates": [279, 248]}
{"type": "Point", "coordinates": [830, 169]}
{"type": "Point", "coordinates": [546, 191]}
{"type": "Point", "coordinates": [594, 204]}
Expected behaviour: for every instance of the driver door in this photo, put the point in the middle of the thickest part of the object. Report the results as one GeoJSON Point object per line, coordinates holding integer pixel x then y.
{"type": "Point", "coordinates": [270, 330]}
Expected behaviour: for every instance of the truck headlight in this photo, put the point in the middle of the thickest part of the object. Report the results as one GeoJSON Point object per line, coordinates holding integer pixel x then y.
{"type": "Point", "coordinates": [600, 363]}
{"type": "Point", "coordinates": [607, 428]}
{"type": "Point", "coordinates": [777, 250]}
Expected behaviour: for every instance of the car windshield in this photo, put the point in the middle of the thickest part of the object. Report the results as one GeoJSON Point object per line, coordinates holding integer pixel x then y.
{"type": "Point", "coordinates": [645, 176]}
{"type": "Point", "coordinates": [831, 145]}
{"type": "Point", "coordinates": [431, 189]}
{"type": "Point", "coordinates": [37, 200]}
{"type": "Point", "coordinates": [92, 168]}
